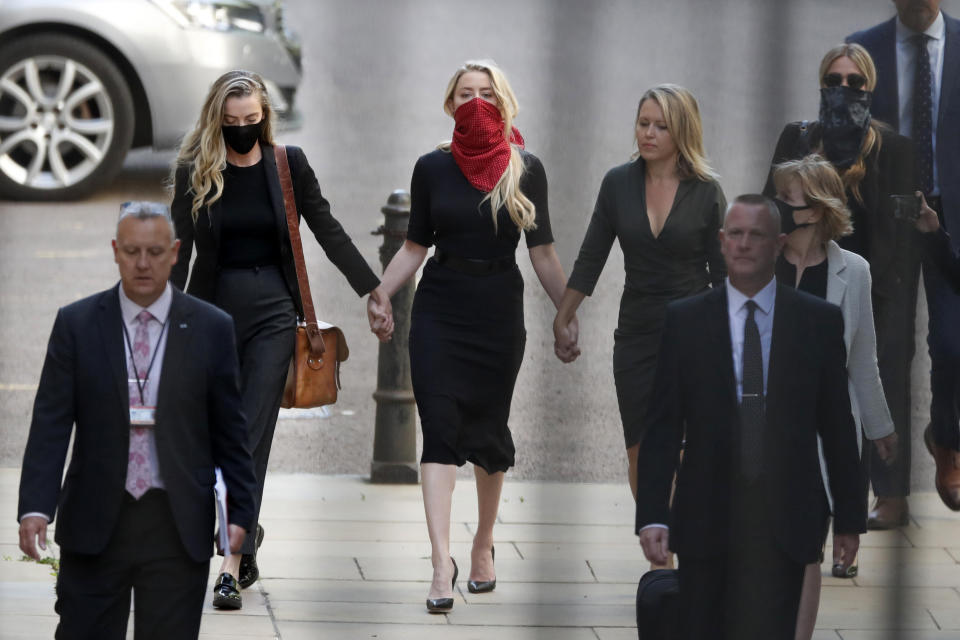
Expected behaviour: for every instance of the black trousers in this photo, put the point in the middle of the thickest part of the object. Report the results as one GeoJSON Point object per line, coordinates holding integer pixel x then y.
{"type": "Point", "coordinates": [895, 324]}
{"type": "Point", "coordinates": [144, 555]}
{"type": "Point", "coordinates": [752, 592]}
{"type": "Point", "coordinates": [264, 319]}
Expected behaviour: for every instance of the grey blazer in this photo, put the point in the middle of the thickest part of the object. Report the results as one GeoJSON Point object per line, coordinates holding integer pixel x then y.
{"type": "Point", "coordinates": [848, 287]}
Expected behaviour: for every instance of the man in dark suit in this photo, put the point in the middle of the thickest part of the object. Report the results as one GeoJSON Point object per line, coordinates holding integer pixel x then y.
{"type": "Point", "coordinates": [748, 375]}
{"type": "Point", "coordinates": [917, 54]}
{"type": "Point", "coordinates": [149, 377]}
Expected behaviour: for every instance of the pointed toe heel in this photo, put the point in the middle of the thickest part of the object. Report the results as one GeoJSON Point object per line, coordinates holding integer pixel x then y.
{"type": "Point", "coordinates": [483, 586]}
{"type": "Point", "coordinates": [443, 605]}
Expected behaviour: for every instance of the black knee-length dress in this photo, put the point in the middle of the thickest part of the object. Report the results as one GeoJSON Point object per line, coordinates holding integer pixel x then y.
{"type": "Point", "coordinates": [683, 260]}
{"type": "Point", "coordinates": [466, 334]}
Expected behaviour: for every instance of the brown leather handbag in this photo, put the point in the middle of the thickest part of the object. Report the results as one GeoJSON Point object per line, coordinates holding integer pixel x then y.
{"type": "Point", "coordinates": [313, 378]}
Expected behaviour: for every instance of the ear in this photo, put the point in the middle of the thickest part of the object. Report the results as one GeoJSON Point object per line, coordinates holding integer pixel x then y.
{"type": "Point", "coordinates": [116, 251]}
{"type": "Point", "coordinates": [781, 240]}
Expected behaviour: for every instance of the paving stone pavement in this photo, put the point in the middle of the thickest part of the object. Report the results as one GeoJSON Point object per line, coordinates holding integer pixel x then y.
{"type": "Point", "coordinates": [345, 559]}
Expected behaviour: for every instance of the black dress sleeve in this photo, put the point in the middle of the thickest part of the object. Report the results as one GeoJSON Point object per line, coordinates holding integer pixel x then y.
{"type": "Point", "coordinates": [315, 209]}
{"type": "Point", "coordinates": [183, 224]}
{"type": "Point", "coordinates": [595, 248]}
{"type": "Point", "coordinates": [715, 261]}
{"type": "Point", "coordinates": [534, 184]}
{"type": "Point", "coordinates": [420, 227]}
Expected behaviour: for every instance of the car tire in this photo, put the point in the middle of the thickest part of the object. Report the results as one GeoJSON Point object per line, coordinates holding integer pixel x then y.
{"type": "Point", "coordinates": [66, 118]}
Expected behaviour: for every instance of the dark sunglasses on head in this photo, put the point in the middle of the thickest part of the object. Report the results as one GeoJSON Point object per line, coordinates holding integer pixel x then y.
{"type": "Point", "coordinates": [854, 80]}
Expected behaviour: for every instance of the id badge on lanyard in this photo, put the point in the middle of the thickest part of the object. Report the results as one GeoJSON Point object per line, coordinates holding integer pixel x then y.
{"type": "Point", "coordinates": [141, 416]}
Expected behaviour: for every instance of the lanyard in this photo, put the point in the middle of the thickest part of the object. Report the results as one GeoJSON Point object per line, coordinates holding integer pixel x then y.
{"type": "Point", "coordinates": [141, 385]}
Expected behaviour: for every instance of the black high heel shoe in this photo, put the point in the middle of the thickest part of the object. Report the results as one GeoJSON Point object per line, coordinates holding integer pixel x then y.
{"type": "Point", "coordinates": [442, 605]}
{"type": "Point", "coordinates": [484, 586]}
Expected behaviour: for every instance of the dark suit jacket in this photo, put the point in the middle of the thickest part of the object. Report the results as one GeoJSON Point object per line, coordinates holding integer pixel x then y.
{"type": "Point", "coordinates": [694, 391]}
{"type": "Point", "coordinates": [894, 252]}
{"type": "Point", "coordinates": [311, 205]}
{"type": "Point", "coordinates": [199, 424]}
{"type": "Point", "coordinates": [881, 42]}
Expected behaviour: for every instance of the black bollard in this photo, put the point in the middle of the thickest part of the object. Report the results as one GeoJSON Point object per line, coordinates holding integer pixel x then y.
{"type": "Point", "coordinates": [394, 438]}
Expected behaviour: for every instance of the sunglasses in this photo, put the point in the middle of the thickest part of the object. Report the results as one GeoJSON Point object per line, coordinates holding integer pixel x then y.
{"type": "Point", "coordinates": [141, 207]}
{"type": "Point", "coordinates": [854, 80]}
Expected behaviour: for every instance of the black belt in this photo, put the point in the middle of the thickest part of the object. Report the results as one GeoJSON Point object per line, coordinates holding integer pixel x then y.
{"type": "Point", "coordinates": [474, 266]}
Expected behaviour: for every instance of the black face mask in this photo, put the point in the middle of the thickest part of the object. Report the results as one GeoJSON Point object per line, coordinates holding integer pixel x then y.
{"type": "Point", "coordinates": [844, 121]}
{"type": "Point", "coordinates": [787, 225]}
{"type": "Point", "coordinates": [242, 138]}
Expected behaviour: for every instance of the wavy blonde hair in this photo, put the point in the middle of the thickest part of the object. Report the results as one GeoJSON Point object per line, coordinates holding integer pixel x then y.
{"type": "Point", "coordinates": [822, 189]}
{"type": "Point", "coordinates": [852, 176]}
{"type": "Point", "coordinates": [682, 115]}
{"type": "Point", "coordinates": [507, 191]}
{"type": "Point", "coordinates": [203, 150]}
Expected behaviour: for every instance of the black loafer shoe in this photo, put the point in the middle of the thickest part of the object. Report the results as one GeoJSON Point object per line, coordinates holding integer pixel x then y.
{"type": "Point", "coordinates": [483, 586]}
{"type": "Point", "coordinates": [225, 593]}
{"type": "Point", "coordinates": [443, 605]}
{"type": "Point", "coordinates": [249, 571]}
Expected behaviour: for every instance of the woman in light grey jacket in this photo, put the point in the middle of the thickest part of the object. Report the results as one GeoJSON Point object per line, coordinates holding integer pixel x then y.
{"type": "Point", "coordinates": [813, 214]}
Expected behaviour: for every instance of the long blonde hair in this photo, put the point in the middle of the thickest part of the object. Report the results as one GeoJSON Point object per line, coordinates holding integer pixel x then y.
{"type": "Point", "coordinates": [822, 189]}
{"type": "Point", "coordinates": [853, 175]}
{"type": "Point", "coordinates": [203, 150]}
{"type": "Point", "coordinates": [507, 190]}
{"type": "Point", "coordinates": [682, 115]}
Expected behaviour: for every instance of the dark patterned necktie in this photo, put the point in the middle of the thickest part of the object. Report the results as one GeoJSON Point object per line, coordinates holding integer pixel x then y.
{"type": "Point", "coordinates": [922, 133]}
{"type": "Point", "coordinates": [751, 399]}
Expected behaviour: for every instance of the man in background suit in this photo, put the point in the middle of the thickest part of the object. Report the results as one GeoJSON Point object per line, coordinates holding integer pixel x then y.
{"type": "Point", "coordinates": [748, 374]}
{"type": "Point", "coordinates": [917, 54]}
{"type": "Point", "coordinates": [149, 377]}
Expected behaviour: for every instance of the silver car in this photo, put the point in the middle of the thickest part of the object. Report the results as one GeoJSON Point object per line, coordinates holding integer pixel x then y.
{"type": "Point", "coordinates": [83, 81]}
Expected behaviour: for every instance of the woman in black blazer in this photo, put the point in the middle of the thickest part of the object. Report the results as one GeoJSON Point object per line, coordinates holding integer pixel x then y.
{"type": "Point", "coordinates": [229, 204]}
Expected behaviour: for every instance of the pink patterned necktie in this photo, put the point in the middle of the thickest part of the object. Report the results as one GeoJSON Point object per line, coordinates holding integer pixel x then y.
{"type": "Point", "coordinates": [139, 468]}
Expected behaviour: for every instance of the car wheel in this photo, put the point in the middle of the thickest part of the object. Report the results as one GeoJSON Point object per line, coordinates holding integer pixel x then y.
{"type": "Point", "coordinates": [66, 118]}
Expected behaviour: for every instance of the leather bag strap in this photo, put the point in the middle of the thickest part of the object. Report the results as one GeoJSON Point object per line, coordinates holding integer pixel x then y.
{"type": "Point", "coordinates": [293, 226]}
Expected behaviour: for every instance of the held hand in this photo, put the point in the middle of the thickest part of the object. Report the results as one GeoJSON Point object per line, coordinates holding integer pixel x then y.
{"type": "Point", "coordinates": [845, 546]}
{"type": "Point", "coordinates": [565, 339]}
{"type": "Point", "coordinates": [887, 448]}
{"type": "Point", "coordinates": [32, 528]}
{"type": "Point", "coordinates": [655, 543]}
{"type": "Point", "coordinates": [380, 314]}
{"type": "Point", "coordinates": [237, 534]}
{"type": "Point", "coordinates": [927, 221]}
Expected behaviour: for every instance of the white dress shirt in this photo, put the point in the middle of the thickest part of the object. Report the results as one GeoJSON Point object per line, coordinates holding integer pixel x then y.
{"type": "Point", "coordinates": [160, 310]}
{"type": "Point", "coordinates": [906, 67]}
{"type": "Point", "coordinates": [737, 313]}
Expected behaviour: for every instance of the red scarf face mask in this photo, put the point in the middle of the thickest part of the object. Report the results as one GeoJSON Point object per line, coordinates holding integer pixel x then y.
{"type": "Point", "coordinates": [478, 145]}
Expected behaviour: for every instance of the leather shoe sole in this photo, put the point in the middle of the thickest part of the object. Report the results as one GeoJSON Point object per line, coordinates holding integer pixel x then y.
{"type": "Point", "coordinates": [948, 474]}
{"type": "Point", "coordinates": [225, 593]}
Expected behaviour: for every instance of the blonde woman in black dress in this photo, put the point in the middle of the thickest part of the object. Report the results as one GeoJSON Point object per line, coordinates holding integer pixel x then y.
{"type": "Point", "coordinates": [665, 208]}
{"type": "Point", "coordinates": [467, 335]}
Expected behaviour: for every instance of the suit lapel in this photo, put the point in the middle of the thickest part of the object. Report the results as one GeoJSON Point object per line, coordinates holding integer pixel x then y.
{"type": "Point", "coordinates": [886, 63]}
{"type": "Point", "coordinates": [111, 335]}
{"type": "Point", "coordinates": [719, 330]}
{"type": "Point", "coordinates": [951, 68]}
{"type": "Point", "coordinates": [175, 353]}
{"type": "Point", "coordinates": [784, 335]}
{"type": "Point", "coordinates": [836, 265]}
